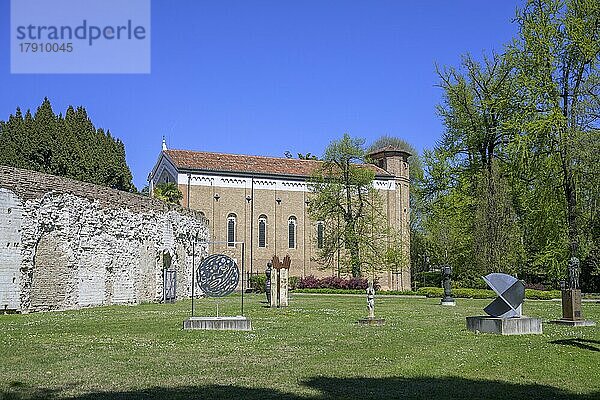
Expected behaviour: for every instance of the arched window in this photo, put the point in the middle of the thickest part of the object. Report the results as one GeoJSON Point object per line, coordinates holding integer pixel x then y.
{"type": "Point", "coordinates": [262, 231]}
{"type": "Point", "coordinates": [231, 222]}
{"type": "Point", "coordinates": [320, 234]}
{"type": "Point", "coordinates": [292, 223]}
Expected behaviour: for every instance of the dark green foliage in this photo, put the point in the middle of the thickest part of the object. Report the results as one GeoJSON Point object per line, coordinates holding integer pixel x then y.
{"type": "Point", "coordinates": [66, 146]}
{"type": "Point", "coordinates": [257, 283]}
{"type": "Point", "coordinates": [590, 272]}
{"type": "Point", "coordinates": [145, 190]}
{"type": "Point", "coordinates": [294, 281]}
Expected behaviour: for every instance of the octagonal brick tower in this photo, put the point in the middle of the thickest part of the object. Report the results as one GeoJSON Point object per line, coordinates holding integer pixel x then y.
{"type": "Point", "coordinates": [395, 162]}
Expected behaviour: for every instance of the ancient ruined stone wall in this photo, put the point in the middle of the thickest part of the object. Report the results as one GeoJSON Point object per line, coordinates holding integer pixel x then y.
{"type": "Point", "coordinates": [66, 244]}
{"type": "Point", "coordinates": [10, 251]}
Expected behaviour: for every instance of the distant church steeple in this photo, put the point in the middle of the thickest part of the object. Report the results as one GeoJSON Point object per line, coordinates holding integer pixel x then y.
{"type": "Point", "coordinates": [164, 144]}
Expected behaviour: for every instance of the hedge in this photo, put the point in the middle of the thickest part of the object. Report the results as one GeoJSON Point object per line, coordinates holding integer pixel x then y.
{"type": "Point", "coordinates": [353, 291]}
{"type": "Point", "coordinates": [257, 283]}
{"type": "Point", "coordinates": [531, 294]}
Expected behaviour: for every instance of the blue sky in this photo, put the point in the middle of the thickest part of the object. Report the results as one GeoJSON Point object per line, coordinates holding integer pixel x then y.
{"type": "Point", "coordinates": [263, 77]}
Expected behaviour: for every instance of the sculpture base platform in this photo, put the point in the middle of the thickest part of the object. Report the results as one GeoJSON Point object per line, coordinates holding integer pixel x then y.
{"type": "Point", "coordinates": [238, 323]}
{"type": "Point", "coordinates": [372, 321]}
{"type": "Point", "coordinates": [574, 322]}
{"type": "Point", "coordinates": [505, 326]}
{"type": "Point", "coordinates": [450, 303]}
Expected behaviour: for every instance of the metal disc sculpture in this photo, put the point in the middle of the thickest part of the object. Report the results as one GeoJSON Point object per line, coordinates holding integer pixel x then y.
{"type": "Point", "coordinates": [218, 275]}
{"type": "Point", "coordinates": [511, 293]}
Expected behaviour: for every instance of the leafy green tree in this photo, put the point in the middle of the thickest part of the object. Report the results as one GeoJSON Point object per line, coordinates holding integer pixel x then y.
{"type": "Point", "coordinates": [557, 54]}
{"type": "Point", "coordinates": [344, 198]}
{"type": "Point", "coordinates": [168, 192]}
{"type": "Point", "coordinates": [515, 172]}
{"type": "Point", "coordinates": [468, 188]}
{"type": "Point", "coordinates": [67, 146]}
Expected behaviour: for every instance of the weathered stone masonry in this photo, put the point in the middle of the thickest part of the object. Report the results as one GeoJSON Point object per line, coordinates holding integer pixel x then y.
{"type": "Point", "coordinates": [66, 244]}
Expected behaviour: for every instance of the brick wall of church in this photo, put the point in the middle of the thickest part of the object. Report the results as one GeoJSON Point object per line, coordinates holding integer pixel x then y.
{"type": "Point", "coordinates": [215, 197]}
{"type": "Point", "coordinates": [261, 202]}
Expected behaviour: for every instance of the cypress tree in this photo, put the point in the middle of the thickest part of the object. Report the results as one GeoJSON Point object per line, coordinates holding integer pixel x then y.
{"type": "Point", "coordinates": [68, 146]}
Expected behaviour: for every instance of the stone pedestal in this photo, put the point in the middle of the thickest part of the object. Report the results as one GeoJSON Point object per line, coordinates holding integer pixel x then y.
{"type": "Point", "coordinates": [570, 322]}
{"type": "Point", "coordinates": [505, 326]}
{"type": "Point", "coordinates": [448, 302]}
{"type": "Point", "coordinates": [238, 323]}
{"type": "Point", "coordinates": [571, 304]}
{"type": "Point", "coordinates": [372, 321]}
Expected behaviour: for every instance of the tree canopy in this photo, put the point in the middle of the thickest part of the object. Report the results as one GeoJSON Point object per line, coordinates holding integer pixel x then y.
{"type": "Point", "coordinates": [512, 185]}
{"type": "Point", "coordinates": [343, 197]}
{"type": "Point", "coordinates": [68, 145]}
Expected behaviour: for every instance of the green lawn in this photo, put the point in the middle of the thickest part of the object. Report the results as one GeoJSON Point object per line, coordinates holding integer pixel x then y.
{"type": "Point", "coordinates": [311, 350]}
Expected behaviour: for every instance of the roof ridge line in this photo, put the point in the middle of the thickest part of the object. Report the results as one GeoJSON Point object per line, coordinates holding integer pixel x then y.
{"type": "Point", "coordinates": [242, 155]}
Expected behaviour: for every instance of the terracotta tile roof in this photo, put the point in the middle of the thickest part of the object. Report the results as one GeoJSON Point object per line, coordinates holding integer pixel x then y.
{"type": "Point", "coordinates": [219, 162]}
{"type": "Point", "coordinates": [389, 149]}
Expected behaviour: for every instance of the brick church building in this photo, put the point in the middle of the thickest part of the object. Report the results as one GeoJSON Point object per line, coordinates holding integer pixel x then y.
{"type": "Point", "coordinates": [263, 202]}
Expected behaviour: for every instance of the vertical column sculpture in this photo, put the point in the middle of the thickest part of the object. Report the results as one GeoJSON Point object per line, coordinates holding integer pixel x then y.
{"type": "Point", "coordinates": [279, 281]}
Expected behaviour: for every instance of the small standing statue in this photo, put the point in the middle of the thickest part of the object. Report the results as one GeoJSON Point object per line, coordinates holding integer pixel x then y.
{"type": "Point", "coordinates": [268, 282]}
{"type": "Point", "coordinates": [371, 320]}
{"type": "Point", "coordinates": [573, 267]}
{"type": "Point", "coordinates": [448, 300]}
{"type": "Point", "coordinates": [371, 300]}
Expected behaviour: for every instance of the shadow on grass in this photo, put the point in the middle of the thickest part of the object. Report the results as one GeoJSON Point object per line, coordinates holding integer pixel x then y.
{"type": "Point", "coordinates": [329, 388]}
{"type": "Point", "coordinates": [585, 344]}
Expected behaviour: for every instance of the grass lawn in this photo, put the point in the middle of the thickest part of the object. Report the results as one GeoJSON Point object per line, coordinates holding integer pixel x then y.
{"type": "Point", "coordinates": [311, 350]}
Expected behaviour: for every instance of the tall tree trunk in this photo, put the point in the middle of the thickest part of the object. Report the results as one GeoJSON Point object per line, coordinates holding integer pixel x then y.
{"type": "Point", "coordinates": [352, 246]}
{"type": "Point", "coordinates": [571, 200]}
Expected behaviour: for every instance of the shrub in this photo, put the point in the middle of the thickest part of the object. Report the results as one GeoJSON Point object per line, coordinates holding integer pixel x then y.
{"type": "Point", "coordinates": [430, 291]}
{"type": "Point", "coordinates": [542, 295]}
{"type": "Point", "coordinates": [354, 291]}
{"type": "Point", "coordinates": [294, 282]}
{"type": "Point", "coordinates": [474, 293]}
{"type": "Point", "coordinates": [531, 294]}
{"type": "Point", "coordinates": [333, 282]}
{"type": "Point", "coordinates": [257, 283]}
